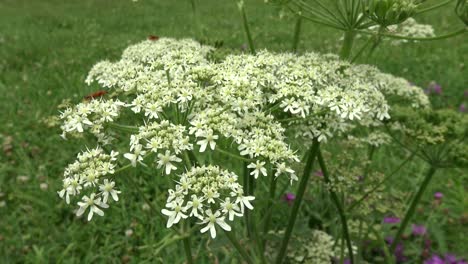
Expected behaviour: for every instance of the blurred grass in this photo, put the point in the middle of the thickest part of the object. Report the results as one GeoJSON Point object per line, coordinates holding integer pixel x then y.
{"type": "Point", "coordinates": [46, 50]}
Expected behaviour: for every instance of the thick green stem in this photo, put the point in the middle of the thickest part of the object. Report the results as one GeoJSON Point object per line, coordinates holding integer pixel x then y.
{"type": "Point", "coordinates": [188, 250]}
{"type": "Point", "coordinates": [297, 202]}
{"type": "Point", "coordinates": [232, 238]}
{"type": "Point", "coordinates": [195, 18]}
{"type": "Point", "coordinates": [245, 23]}
{"type": "Point", "coordinates": [266, 226]}
{"type": "Point", "coordinates": [348, 41]}
{"type": "Point", "coordinates": [297, 34]}
{"type": "Point", "coordinates": [338, 205]}
{"type": "Point", "coordinates": [412, 207]}
{"type": "Point", "coordinates": [246, 182]}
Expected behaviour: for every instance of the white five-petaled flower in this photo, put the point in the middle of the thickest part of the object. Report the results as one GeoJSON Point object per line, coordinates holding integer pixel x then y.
{"type": "Point", "coordinates": [92, 202]}
{"type": "Point", "coordinates": [209, 139]}
{"type": "Point", "coordinates": [166, 161]}
{"type": "Point", "coordinates": [231, 209]}
{"type": "Point", "coordinates": [258, 168]}
{"type": "Point", "coordinates": [176, 214]}
{"type": "Point", "coordinates": [108, 189]}
{"type": "Point", "coordinates": [196, 205]}
{"type": "Point", "coordinates": [136, 156]}
{"type": "Point", "coordinates": [212, 219]}
{"type": "Point", "coordinates": [243, 200]}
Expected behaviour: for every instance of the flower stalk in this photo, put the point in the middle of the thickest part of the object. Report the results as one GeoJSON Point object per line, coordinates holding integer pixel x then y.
{"type": "Point", "coordinates": [241, 6]}
{"type": "Point", "coordinates": [348, 42]}
{"type": "Point", "coordinates": [232, 238]}
{"type": "Point", "coordinates": [297, 202]}
{"type": "Point", "coordinates": [338, 205]}
{"type": "Point", "coordinates": [412, 208]}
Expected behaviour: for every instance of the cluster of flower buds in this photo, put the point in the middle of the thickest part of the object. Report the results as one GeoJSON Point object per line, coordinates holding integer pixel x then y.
{"type": "Point", "coordinates": [389, 12]}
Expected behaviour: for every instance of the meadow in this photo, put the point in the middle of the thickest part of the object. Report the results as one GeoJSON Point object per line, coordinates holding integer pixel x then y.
{"type": "Point", "coordinates": [47, 49]}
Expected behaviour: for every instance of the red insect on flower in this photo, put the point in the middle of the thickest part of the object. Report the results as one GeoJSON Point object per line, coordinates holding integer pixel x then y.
{"type": "Point", "coordinates": [95, 95]}
{"type": "Point", "coordinates": [153, 37]}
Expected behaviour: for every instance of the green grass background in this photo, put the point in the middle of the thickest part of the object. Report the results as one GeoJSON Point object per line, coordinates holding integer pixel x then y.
{"type": "Point", "coordinates": [46, 50]}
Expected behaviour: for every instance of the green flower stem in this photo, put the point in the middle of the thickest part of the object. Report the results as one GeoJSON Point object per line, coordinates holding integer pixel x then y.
{"type": "Point", "coordinates": [188, 250]}
{"type": "Point", "coordinates": [297, 202]}
{"type": "Point", "coordinates": [195, 18]}
{"type": "Point", "coordinates": [412, 207]}
{"type": "Point", "coordinates": [245, 23]}
{"type": "Point", "coordinates": [448, 35]}
{"type": "Point", "coordinates": [338, 205]}
{"type": "Point", "coordinates": [266, 226]}
{"type": "Point", "coordinates": [361, 51]}
{"type": "Point", "coordinates": [297, 34]}
{"type": "Point", "coordinates": [348, 41]}
{"type": "Point", "coordinates": [314, 20]}
{"type": "Point", "coordinates": [232, 154]}
{"type": "Point", "coordinates": [353, 205]}
{"type": "Point", "coordinates": [126, 128]}
{"type": "Point", "coordinates": [246, 182]}
{"type": "Point", "coordinates": [232, 238]}
{"type": "Point", "coordinates": [433, 7]}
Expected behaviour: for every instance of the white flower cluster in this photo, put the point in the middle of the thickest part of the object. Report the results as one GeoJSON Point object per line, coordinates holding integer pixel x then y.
{"type": "Point", "coordinates": [208, 194]}
{"type": "Point", "coordinates": [317, 248]}
{"type": "Point", "coordinates": [180, 105]}
{"type": "Point", "coordinates": [91, 115]}
{"type": "Point", "coordinates": [321, 92]}
{"type": "Point", "coordinates": [375, 138]}
{"type": "Point", "coordinates": [409, 28]}
{"type": "Point", "coordinates": [87, 173]}
{"type": "Point", "coordinates": [395, 89]}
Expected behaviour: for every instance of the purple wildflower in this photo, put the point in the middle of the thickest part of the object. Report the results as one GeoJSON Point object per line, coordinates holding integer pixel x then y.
{"type": "Point", "coordinates": [318, 173]}
{"type": "Point", "coordinates": [434, 260]}
{"type": "Point", "coordinates": [450, 259]}
{"type": "Point", "coordinates": [435, 88]}
{"type": "Point", "coordinates": [419, 230]}
{"type": "Point", "coordinates": [438, 195]}
{"type": "Point", "coordinates": [399, 253]}
{"type": "Point", "coordinates": [289, 198]}
{"type": "Point", "coordinates": [462, 108]}
{"type": "Point", "coordinates": [391, 220]}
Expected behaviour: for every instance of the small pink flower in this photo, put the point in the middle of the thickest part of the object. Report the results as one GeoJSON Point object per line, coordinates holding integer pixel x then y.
{"type": "Point", "coordinates": [289, 198]}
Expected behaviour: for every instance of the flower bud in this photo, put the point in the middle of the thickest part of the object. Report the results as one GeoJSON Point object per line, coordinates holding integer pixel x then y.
{"type": "Point", "coordinates": [389, 12]}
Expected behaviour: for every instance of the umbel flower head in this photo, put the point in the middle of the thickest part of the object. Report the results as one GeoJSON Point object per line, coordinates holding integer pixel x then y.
{"type": "Point", "coordinates": [438, 136]}
{"type": "Point", "coordinates": [209, 194]}
{"type": "Point", "coordinates": [87, 175]}
{"type": "Point", "coordinates": [171, 104]}
{"type": "Point", "coordinates": [164, 99]}
{"type": "Point", "coordinates": [316, 96]}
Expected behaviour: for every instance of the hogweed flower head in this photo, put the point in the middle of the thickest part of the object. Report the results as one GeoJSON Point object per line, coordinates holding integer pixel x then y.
{"type": "Point", "coordinates": [87, 174]}
{"type": "Point", "coordinates": [209, 194]}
